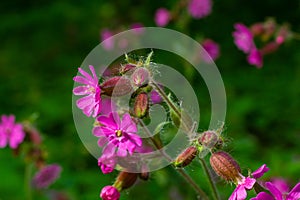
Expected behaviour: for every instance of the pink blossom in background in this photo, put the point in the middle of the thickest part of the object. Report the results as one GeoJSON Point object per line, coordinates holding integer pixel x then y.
{"type": "Point", "coordinates": [106, 37]}
{"type": "Point", "coordinates": [91, 103]}
{"type": "Point", "coordinates": [138, 28]}
{"type": "Point", "coordinates": [212, 48]}
{"type": "Point", "coordinates": [109, 193]}
{"type": "Point", "coordinates": [243, 38]}
{"type": "Point", "coordinates": [199, 8]}
{"type": "Point", "coordinates": [294, 194]}
{"type": "Point", "coordinates": [255, 58]}
{"type": "Point", "coordinates": [247, 183]}
{"type": "Point", "coordinates": [121, 134]}
{"type": "Point", "coordinates": [46, 176]}
{"type": "Point", "coordinates": [11, 133]}
{"type": "Point", "coordinates": [162, 17]}
{"type": "Point", "coordinates": [155, 97]}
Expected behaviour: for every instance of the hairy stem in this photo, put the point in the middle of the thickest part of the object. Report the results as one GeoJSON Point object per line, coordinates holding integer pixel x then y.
{"type": "Point", "coordinates": [200, 192]}
{"type": "Point", "coordinates": [211, 182]}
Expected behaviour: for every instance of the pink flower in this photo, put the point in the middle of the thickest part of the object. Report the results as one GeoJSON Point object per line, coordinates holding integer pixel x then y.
{"type": "Point", "coordinates": [11, 133]}
{"type": "Point", "coordinates": [119, 134]}
{"type": "Point", "coordinates": [243, 38]}
{"type": "Point", "coordinates": [109, 193]}
{"type": "Point", "coordinates": [212, 48]}
{"type": "Point", "coordinates": [107, 40]}
{"type": "Point", "coordinates": [199, 8]}
{"type": "Point", "coordinates": [107, 164]}
{"type": "Point", "coordinates": [255, 58]}
{"type": "Point", "coordinates": [46, 176]}
{"type": "Point", "coordinates": [162, 17]}
{"type": "Point", "coordinates": [138, 28]}
{"type": "Point", "coordinates": [247, 183]}
{"type": "Point", "coordinates": [294, 194]}
{"type": "Point", "coordinates": [91, 103]}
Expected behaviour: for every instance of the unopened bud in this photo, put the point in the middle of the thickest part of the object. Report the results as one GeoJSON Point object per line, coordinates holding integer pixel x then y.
{"type": "Point", "coordinates": [140, 76]}
{"type": "Point", "coordinates": [186, 157]}
{"type": "Point", "coordinates": [117, 86]}
{"type": "Point", "coordinates": [127, 68]}
{"type": "Point", "coordinates": [141, 105]}
{"type": "Point", "coordinates": [125, 180]}
{"type": "Point", "coordinates": [208, 139]}
{"type": "Point", "coordinates": [257, 29]}
{"type": "Point", "coordinates": [225, 166]}
{"type": "Point", "coordinates": [270, 47]}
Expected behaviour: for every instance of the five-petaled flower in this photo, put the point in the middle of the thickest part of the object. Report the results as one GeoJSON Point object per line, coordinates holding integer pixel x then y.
{"type": "Point", "coordinates": [247, 183]}
{"type": "Point", "coordinates": [120, 134]}
{"type": "Point", "coordinates": [11, 133]}
{"type": "Point", "coordinates": [91, 103]}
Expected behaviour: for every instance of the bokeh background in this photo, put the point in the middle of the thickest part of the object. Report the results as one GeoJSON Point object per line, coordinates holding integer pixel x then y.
{"type": "Point", "coordinates": [44, 42]}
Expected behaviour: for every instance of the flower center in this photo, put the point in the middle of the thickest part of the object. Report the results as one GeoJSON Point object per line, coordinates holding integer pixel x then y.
{"type": "Point", "coordinates": [118, 133]}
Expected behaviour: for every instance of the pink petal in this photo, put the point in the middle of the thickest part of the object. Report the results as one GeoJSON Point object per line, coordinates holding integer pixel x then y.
{"type": "Point", "coordinates": [92, 69]}
{"type": "Point", "coordinates": [109, 150]}
{"type": "Point", "coordinates": [260, 171]}
{"type": "Point", "coordinates": [263, 196]}
{"type": "Point", "coordinates": [102, 141]}
{"type": "Point", "coordinates": [241, 193]}
{"type": "Point", "coordinates": [135, 138]}
{"type": "Point", "coordinates": [121, 152]}
{"type": "Point", "coordinates": [81, 90]}
{"type": "Point", "coordinates": [86, 75]}
{"type": "Point", "coordinates": [249, 183]}
{"type": "Point", "coordinates": [127, 124]}
{"type": "Point", "coordinates": [233, 196]}
{"type": "Point", "coordinates": [85, 101]}
{"type": "Point", "coordinates": [294, 194]}
{"type": "Point", "coordinates": [275, 192]}
{"type": "Point", "coordinates": [108, 121]}
{"type": "Point", "coordinates": [3, 139]}
{"type": "Point", "coordinates": [80, 79]}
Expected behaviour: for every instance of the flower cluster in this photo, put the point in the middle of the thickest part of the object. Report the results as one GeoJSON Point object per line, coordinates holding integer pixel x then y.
{"type": "Point", "coordinates": [269, 33]}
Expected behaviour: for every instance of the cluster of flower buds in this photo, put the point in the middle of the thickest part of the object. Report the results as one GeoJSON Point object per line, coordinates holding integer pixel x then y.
{"type": "Point", "coordinates": [271, 34]}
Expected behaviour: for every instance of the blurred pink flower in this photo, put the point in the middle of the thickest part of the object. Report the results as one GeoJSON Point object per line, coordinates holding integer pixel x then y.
{"type": "Point", "coordinates": [91, 103]}
{"type": "Point", "coordinates": [199, 8]}
{"type": "Point", "coordinates": [212, 48]}
{"type": "Point", "coordinates": [11, 133]}
{"type": "Point", "coordinates": [119, 134]}
{"type": "Point", "coordinates": [155, 97]}
{"type": "Point", "coordinates": [107, 40]}
{"type": "Point", "coordinates": [109, 193]}
{"type": "Point", "coordinates": [162, 17]}
{"type": "Point", "coordinates": [255, 58]}
{"type": "Point", "coordinates": [243, 38]}
{"type": "Point", "coordinates": [138, 28]}
{"type": "Point", "coordinates": [247, 183]}
{"type": "Point", "coordinates": [46, 176]}
{"type": "Point", "coordinates": [294, 194]}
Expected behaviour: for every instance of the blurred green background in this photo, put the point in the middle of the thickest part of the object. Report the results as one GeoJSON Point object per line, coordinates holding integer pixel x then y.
{"type": "Point", "coordinates": [44, 42]}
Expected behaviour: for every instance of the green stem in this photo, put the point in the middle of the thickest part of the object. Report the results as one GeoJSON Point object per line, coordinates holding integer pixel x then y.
{"type": "Point", "coordinates": [27, 181]}
{"type": "Point", "coordinates": [210, 180]}
{"type": "Point", "coordinates": [200, 192]}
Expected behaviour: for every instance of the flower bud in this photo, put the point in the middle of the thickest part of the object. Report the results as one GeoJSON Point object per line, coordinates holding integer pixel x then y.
{"type": "Point", "coordinates": [117, 86]}
{"type": "Point", "coordinates": [208, 139]}
{"type": "Point", "coordinates": [186, 157]}
{"type": "Point", "coordinates": [125, 180]}
{"type": "Point", "coordinates": [110, 193]}
{"type": "Point", "coordinates": [127, 68]}
{"type": "Point", "coordinates": [225, 166]}
{"type": "Point", "coordinates": [140, 76]}
{"type": "Point", "coordinates": [141, 105]}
